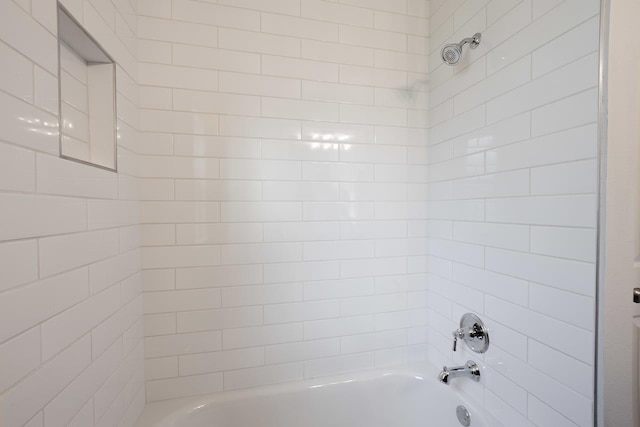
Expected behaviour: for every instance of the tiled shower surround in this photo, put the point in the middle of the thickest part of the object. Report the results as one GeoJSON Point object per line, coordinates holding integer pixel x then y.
{"type": "Point", "coordinates": [71, 340]}
{"type": "Point", "coordinates": [512, 201]}
{"type": "Point", "coordinates": [314, 192]}
{"type": "Point", "coordinates": [283, 180]}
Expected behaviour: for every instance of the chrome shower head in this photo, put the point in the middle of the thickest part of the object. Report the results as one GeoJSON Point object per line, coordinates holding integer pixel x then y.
{"type": "Point", "coordinates": [452, 53]}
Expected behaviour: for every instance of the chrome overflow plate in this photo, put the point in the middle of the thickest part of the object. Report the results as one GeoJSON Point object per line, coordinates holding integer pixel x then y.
{"type": "Point", "coordinates": [463, 416]}
{"type": "Point", "coordinates": [473, 332]}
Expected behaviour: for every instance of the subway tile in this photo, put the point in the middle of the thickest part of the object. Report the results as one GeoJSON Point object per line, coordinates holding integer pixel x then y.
{"type": "Point", "coordinates": [239, 40]}
{"type": "Point", "coordinates": [373, 304]}
{"type": "Point", "coordinates": [161, 368]}
{"type": "Point", "coordinates": [506, 236]}
{"type": "Point", "coordinates": [563, 274]}
{"type": "Point", "coordinates": [181, 300]}
{"type": "Point", "coordinates": [372, 267]}
{"type": "Point", "coordinates": [196, 364]}
{"type": "Point", "coordinates": [249, 169]}
{"type": "Point", "coordinates": [59, 176]}
{"type": "Point", "coordinates": [551, 179]}
{"type": "Point", "coordinates": [566, 81]}
{"type": "Point", "coordinates": [62, 253]}
{"type": "Point", "coordinates": [555, 303]}
{"type": "Point", "coordinates": [286, 7]}
{"type": "Point", "coordinates": [221, 190]}
{"type": "Point", "coordinates": [554, 54]}
{"type": "Point", "coordinates": [539, 32]}
{"type": "Point", "coordinates": [28, 126]}
{"type": "Point", "coordinates": [150, 51]}
{"type": "Point", "coordinates": [18, 263]}
{"type": "Point", "coordinates": [215, 146]}
{"type": "Point", "coordinates": [338, 364]}
{"type": "Point", "coordinates": [300, 231]}
{"type": "Point", "coordinates": [400, 319]}
{"type": "Point", "coordinates": [24, 401]}
{"type": "Point", "coordinates": [198, 234]}
{"type": "Point", "coordinates": [64, 407]}
{"type": "Point", "coordinates": [335, 211]}
{"type": "Point", "coordinates": [294, 26]}
{"type": "Point", "coordinates": [259, 85]}
{"type": "Point", "coordinates": [318, 329]}
{"type": "Point", "coordinates": [173, 31]}
{"type": "Point", "coordinates": [180, 256]}
{"type": "Point", "coordinates": [299, 68]}
{"type": "Point", "coordinates": [331, 289]}
{"type": "Point", "coordinates": [180, 212]}
{"type": "Point", "coordinates": [316, 251]}
{"type": "Point", "coordinates": [573, 341]}
{"type": "Point", "coordinates": [261, 335]}
{"type": "Point", "coordinates": [372, 115]}
{"type": "Point", "coordinates": [559, 397]}
{"type": "Point", "coordinates": [301, 271]}
{"type": "Point", "coordinates": [373, 229]}
{"type": "Point", "coordinates": [295, 109]}
{"type": "Point", "coordinates": [255, 377]}
{"type": "Point", "coordinates": [63, 329]}
{"type": "Point", "coordinates": [261, 212]}
{"type": "Point", "coordinates": [159, 324]}
{"type": "Point", "coordinates": [572, 211]}
{"type": "Point", "coordinates": [20, 356]}
{"type": "Point", "coordinates": [240, 296]}
{"type": "Point", "coordinates": [179, 122]}
{"type": "Point", "coordinates": [377, 39]}
{"type": "Point", "coordinates": [502, 286]}
{"type": "Point", "coordinates": [302, 191]}
{"type": "Point", "coordinates": [213, 14]}
{"type": "Point", "coordinates": [319, 171]}
{"type": "Point", "coordinates": [301, 351]}
{"type": "Point", "coordinates": [261, 253]}
{"type": "Point", "coordinates": [16, 74]}
{"type": "Point", "coordinates": [181, 344]}
{"type": "Point", "coordinates": [572, 243]}
{"type": "Point", "coordinates": [540, 413]}
{"type": "Point", "coordinates": [411, 23]}
{"type": "Point", "coordinates": [208, 320]}
{"type": "Point", "coordinates": [576, 110]}
{"type": "Point", "coordinates": [178, 77]}
{"type": "Point", "coordinates": [254, 127]}
{"type": "Point", "coordinates": [338, 13]}
{"type": "Point", "coordinates": [40, 46]}
{"type": "Point", "coordinates": [376, 77]}
{"type": "Point", "coordinates": [216, 103]}
{"type": "Point", "coordinates": [173, 388]}
{"type": "Point", "coordinates": [45, 299]}
{"type": "Point", "coordinates": [300, 150]}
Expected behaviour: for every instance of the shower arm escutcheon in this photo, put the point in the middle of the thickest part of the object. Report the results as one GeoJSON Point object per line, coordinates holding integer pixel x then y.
{"type": "Point", "coordinates": [473, 332]}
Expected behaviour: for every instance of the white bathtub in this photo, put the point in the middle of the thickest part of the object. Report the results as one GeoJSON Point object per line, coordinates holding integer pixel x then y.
{"type": "Point", "coordinates": [398, 398]}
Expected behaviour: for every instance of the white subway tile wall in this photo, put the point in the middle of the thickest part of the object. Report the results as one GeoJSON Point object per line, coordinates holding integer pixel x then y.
{"type": "Point", "coordinates": [71, 341]}
{"type": "Point", "coordinates": [303, 189]}
{"type": "Point", "coordinates": [284, 206]}
{"type": "Point", "coordinates": [512, 202]}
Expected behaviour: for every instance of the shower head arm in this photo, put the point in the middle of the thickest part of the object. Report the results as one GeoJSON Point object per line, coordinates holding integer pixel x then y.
{"type": "Point", "coordinates": [473, 42]}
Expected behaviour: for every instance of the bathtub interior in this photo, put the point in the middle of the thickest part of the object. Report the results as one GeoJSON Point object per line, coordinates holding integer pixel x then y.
{"type": "Point", "coordinates": [406, 398]}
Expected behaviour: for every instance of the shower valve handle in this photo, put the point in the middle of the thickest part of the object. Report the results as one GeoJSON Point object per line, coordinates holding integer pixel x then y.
{"type": "Point", "coordinates": [458, 333]}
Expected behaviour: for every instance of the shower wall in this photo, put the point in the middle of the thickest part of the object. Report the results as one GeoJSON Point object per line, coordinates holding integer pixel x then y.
{"type": "Point", "coordinates": [512, 201]}
{"type": "Point", "coordinates": [284, 189]}
{"type": "Point", "coordinates": [71, 349]}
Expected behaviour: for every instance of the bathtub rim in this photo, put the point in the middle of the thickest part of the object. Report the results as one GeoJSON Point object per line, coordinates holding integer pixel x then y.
{"type": "Point", "coordinates": [162, 412]}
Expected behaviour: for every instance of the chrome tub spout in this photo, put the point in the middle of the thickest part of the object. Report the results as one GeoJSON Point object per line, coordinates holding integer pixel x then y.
{"type": "Point", "coordinates": [470, 370]}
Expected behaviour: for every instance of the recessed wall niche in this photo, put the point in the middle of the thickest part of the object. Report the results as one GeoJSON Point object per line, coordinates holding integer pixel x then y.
{"type": "Point", "coordinates": [87, 96]}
